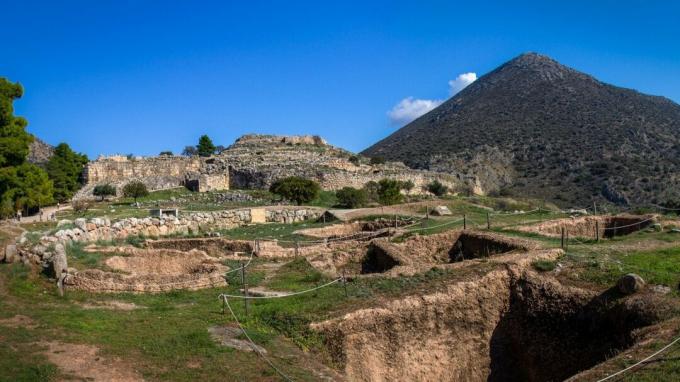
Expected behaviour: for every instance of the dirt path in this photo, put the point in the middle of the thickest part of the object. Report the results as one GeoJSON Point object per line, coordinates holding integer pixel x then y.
{"type": "Point", "coordinates": [83, 362]}
{"type": "Point", "coordinates": [46, 213]}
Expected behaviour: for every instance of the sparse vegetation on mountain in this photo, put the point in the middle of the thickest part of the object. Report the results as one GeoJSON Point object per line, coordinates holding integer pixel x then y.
{"type": "Point", "coordinates": [166, 153]}
{"type": "Point", "coordinates": [296, 189]}
{"type": "Point", "coordinates": [537, 128]}
{"type": "Point", "coordinates": [377, 160]}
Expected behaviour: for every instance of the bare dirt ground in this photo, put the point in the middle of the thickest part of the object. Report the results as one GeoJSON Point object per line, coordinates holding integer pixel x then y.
{"type": "Point", "coordinates": [84, 362]}
{"type": "Point", "coordinates": [19, 321]}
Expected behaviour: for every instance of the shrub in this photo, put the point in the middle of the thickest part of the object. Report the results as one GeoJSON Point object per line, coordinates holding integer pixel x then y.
{"type": "Point", "coordinates": [407, 185]}
{"type": "Point", "coordinates": [166, 153]}
{"type": "Point", "coordinates": [81, 206]}
{"type": "Point", "coordinates": [355, 159]}
{"type": "Point", "coordinates": [371, 191]}
{"type": "Point", "coordinates": [377, 160]}
{"type": "Point", "coordinates": [437, 188]}
{"type": "Point", "coordinates": [294, 188]}
{"type": "Point", "coordinates": [104, 190]}
{"type": "Point", "coordinates": [350, 197]}
{"type": "Point", "coordinates": [389, 191]}
{"type": "Point", "coordinates": [135, 189]}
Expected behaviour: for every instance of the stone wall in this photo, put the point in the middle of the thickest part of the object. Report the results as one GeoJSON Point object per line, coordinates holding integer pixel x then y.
{"type": "Point", "coordinates": [120, 168]}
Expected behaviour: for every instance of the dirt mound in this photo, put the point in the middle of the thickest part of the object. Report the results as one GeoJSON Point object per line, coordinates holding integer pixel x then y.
{"type": "Point", "coordinates": [508, 325]}
{"type": "Point", "coordinates": [587, 226]}
{"type": "Point", "coordinates": [154, 263]}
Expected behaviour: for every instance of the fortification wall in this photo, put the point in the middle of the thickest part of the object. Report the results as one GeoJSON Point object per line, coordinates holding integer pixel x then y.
{"type": "Point", "coordinates": [121, 169]}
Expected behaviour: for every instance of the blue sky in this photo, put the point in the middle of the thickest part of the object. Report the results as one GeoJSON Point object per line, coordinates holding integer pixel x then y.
{"type": "Point", "coordinates": [145, 76]}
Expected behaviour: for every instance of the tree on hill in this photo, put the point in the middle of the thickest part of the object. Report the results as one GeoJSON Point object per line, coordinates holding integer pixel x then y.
{"type": "Point", "coordinates": [437, 188]}
{"type": "Point", "coordinates": [23, 186]}
{"type": "Point", "coordinates": [294, 188]}
{"type": "Point", "coordinates": [65, 169]}
{"type": "Point", "coordinates": [135, 190]}
{"type": "Point", "coordinates": [389, 191]}
{"type": "Point", "coordinates": [350, 197]}
{"type": "Point", "coordinates": [190, 151]}
{"type": "Point", "coordinates": [205, 146]}
{"type": "Point", "coordinates": [104, 190]}
{"type": "Point", "coordinates": [166, 153]}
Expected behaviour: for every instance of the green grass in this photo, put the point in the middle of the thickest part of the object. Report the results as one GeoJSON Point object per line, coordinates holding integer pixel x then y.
{"type": "Point", "coordinates": [544, 265]}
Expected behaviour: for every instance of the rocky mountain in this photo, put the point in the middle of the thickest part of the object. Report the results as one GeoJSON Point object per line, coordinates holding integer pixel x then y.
{"type": "Point", "coordinates": [538, 128]}
{"type": "Point", "coordinates": [39, 151]}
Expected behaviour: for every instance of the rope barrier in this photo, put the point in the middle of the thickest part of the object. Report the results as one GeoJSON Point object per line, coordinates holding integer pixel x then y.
{"type": "Point", "coordinates": [436, 226]}
{"type": "Point", "coordinates": [629, 225]}
{"type": "Point", "coordinates": [663, 349]}
{"type": "Point", "coordinates": [283, 295]}
{"type": "Point", "coordinates": [242, 267]}
{"type": "Point", "coordinates": [252, 343]}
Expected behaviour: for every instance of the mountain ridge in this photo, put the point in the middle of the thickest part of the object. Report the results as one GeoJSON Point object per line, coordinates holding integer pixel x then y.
{"type": "Point", "coordinates": [535, 127]}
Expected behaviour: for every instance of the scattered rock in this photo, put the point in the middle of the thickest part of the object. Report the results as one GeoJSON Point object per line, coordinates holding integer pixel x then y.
{"type": "Point", "coordinates": [441, 211]}
{"type": "Point", "coordinates": [10, 253]}
{"type": "Point", "coordinates": [661, 289]}
{"type": "Point", "coordinates": [231, 337]}
{"type": "Point", "coordinates": [630, 283]}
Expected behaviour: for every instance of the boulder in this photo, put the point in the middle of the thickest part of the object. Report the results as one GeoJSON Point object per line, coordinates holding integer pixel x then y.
{"type": "Point", "coordinates": [81, 223]}
{"type": "Point", "coordinates": [59, 262]}
{"type": "Point", "coordinates": [10, 253]}
{"type": "Point", "coordinates": [630, 283]}
{"type": "Point", "coordinates": [441, 211]}
{"type": "Point", "coordinates": [64, 223]}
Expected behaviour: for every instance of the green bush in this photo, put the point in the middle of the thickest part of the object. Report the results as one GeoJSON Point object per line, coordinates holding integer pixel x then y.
{"type": "Point", "coordinates": [104, 190]}
{"type": "Point", "coordinates": [437, 188]}
{"type": "Point", "coordinates": [377, 160]}
{"type": "Point", "coordinates": [135, 190]}
{"type": "Point", "coordinates": [389, 191]}
{"type": "Point", "coordinates": [296, 189]}
{"type": "Point", "coordinates": [371, 189]}
{"type": "Point", "coordinates": [350, 197]}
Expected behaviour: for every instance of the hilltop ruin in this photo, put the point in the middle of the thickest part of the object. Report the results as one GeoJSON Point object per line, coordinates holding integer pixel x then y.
{"type": "Point", "coordinates": [254, 162]}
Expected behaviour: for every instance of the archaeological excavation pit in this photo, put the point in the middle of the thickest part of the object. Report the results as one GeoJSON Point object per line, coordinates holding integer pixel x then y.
{"type": "Point", "coordinates": [213, 246]}
{"type": "Point", "coordinates": [506, 325]}
{"type": "Point", "coordinates": [356, 230]}
{"type": "Point", "coordinates": [591, 227]}
{"type": "Point", "coordinates": [150, 270]}
{"type": "Point", "coordinates": [444, 248]}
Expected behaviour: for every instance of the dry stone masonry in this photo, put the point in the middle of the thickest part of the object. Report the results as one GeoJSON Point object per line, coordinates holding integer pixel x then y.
{"type": "Point", "coordinates": [254, 162]}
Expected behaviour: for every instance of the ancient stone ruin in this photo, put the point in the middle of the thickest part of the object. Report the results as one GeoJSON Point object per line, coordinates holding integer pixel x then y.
{"type": "Point", "coordinates": [254, 162]}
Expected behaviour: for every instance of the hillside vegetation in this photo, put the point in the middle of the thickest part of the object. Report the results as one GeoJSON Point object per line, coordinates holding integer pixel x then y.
{"type": "Point", "coordinates": [535, 127]}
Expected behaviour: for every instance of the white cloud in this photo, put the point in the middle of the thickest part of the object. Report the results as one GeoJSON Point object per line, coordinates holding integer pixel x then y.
{"type": "Point", "coordinates": [461, 82]}
{"type": "Point", "coordinates": [409, 109]}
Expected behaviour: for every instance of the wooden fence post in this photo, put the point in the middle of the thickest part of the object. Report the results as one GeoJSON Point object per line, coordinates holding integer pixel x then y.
{"type": "Point", "coordinates": [488, 221]}
{"type": "Point", "coordinates": [597, 230]}
{"type": "Point", "coordinates": [245, 286]}
{"type": "Point", "coordinates": [464, 221]}
{"type": "Point", "coordinates": [562, 242]}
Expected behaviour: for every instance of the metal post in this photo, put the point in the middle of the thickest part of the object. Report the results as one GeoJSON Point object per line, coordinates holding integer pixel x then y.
{"type": "Point", "coordinates": [464, 221]}
{"type": "Point", "coordinates": [597, 230]}
{"type": "Point", "coordinates": [488, 221]}
{"type": "Point", "coordinates": [245, 286]}
{"type": "Point", "coordinates": [562, 242]}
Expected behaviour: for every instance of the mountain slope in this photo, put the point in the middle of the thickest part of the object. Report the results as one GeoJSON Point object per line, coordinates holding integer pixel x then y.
{"type": "Point", "coordinates": [535, 127]}
{"type": "Point", "coordinates": [39, 151]}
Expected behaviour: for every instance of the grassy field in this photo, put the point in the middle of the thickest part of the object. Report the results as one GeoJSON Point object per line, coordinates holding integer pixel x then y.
{"type": "Point", "coordinates": [166, 337]}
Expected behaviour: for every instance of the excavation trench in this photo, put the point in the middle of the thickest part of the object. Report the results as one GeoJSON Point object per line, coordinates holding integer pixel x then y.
{"type": "Point", "coordinates": [591, 226]}
{"type": "Point", "coordinates": [504, 326]}
{"type": "Point", "coordinates": [449, 247]}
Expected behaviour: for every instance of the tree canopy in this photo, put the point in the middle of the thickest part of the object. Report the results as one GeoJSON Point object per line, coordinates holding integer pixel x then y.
{"type": "Point", "coordinates": [23, 186]}
{"type": "Point", "coordinates": [65, 168]}
{"type": "Point", "coordinates": [389, 191]}
{"type": "Point", "coordinates": [350, 197]}
{"type": "Point", "coordinates": [135, 190]}
{"type": "Point", "coordinates": [293, 188]}
{"type": "Point", "coordinates": [205, 146]}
